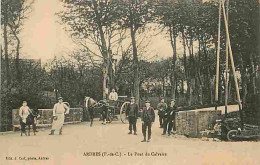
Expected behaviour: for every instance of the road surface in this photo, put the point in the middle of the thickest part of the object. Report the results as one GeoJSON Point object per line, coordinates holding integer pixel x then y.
{"type": "Point", "coordinates": [110, 144]}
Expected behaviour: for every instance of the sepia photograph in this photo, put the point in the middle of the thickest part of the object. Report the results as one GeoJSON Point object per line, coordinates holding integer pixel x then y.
{"type": "Point", "coordinates": [130, 82]}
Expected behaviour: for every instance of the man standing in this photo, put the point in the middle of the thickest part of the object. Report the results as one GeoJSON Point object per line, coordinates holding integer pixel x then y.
{"type": "Point", "coordinates": [132, 114]}
{"type": "Point", "coordinates": [148, 117]}
{"type": "Point", "coordinates": [161, 107]}
{"type": "Point", "coordinates": [24, 112]}
{"type": "Point", "coordinates": [58, 116]}
{"type": "Point", "coordinates": [169, 118]}
{"type": "Point", "coordinates": [104, 113]}
{"type": "Point", "coordinates": [89, 105]}
{"type": "Point", "coordinates": [85, 109]}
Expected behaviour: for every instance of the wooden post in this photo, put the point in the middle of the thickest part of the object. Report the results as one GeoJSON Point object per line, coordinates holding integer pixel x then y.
{"type": "Point", "coordinates": [218, 50]}
{"type": "Point", "coordinates": [226, 68]}
{"type": "Point", "coordinates": [233, 66]}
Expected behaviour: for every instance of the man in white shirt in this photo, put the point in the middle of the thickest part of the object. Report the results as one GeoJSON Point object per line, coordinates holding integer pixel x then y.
{"type": "Point", "coordinates": [112, 98]}
{"type": "Point", "coordinates": [58, 116]}
{"type": "Point", "coordinates": [113, 95]}
{"type": "Point", "coordinates": [24, 112]}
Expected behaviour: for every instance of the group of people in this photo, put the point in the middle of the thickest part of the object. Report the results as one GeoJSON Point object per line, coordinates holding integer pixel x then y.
{"type": "Point", "coordinates": [59, 111]}
{"type": "Point", "coordinates": [28, 117]}
{"type": "Point", "coordinates": [147, 117]}
{"type": "Point", "coordinates": [166, 115]}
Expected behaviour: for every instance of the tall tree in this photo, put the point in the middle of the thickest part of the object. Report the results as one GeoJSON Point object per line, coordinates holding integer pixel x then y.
{"type": "Point", "coordinates": [19, 10]}
{"type": "Point", "coordinates": [168, 15]}
{"type": "Point", "coordinates": [93, 22]}
{"type": "Point", "coordinates": [11, 12]}
{"type": "Point", "coordinates": [134, 16]}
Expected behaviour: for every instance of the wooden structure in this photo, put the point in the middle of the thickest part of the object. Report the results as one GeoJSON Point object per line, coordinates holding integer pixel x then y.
{"type": "Point", "coordinates": [229, 55]}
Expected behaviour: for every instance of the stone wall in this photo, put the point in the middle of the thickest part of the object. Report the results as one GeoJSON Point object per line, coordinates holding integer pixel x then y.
{"type": "Point", "coordinates": [191, 123]}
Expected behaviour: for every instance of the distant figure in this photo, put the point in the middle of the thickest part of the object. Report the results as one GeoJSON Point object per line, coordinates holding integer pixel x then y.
{"type": "Point", "coordinates": [169, 118]}
{"type": "Point", "coordinates": [148, 117]}
{"type": "Point", "coordinates": [132, 114]}
{"type": "Point", "coordinates": [59, 110]}
{"type": "Point", "coordinates": [24, 112]}
{"type": "Point", "coordinates": [161, 107]}
{"type": "Point", "coordinates": [217, 130]}
{"type": "Point", "coordinates": [35, 115]}
{"type": "Point", "coordinates": [104, 113]}
{"type": "Point", "coordinates": [89, 105]}
{"type": "Point", "coordinates": [113, 97]}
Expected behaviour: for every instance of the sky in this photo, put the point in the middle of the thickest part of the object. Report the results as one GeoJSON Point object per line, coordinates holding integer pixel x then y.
{"type": "Point", "coordinates": [43, 37]}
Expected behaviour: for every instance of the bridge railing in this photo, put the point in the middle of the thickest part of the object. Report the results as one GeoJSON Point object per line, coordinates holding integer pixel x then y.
{"type": "Point", "coordinates": [45, 119]}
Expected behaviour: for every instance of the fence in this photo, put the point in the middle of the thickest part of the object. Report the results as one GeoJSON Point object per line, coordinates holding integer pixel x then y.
{"type": "Point", "coordinates": [45, 118]}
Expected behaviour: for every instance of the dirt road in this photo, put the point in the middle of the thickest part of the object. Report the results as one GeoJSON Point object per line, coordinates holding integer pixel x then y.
{"type": "Point", "coordinates": [110, 144]}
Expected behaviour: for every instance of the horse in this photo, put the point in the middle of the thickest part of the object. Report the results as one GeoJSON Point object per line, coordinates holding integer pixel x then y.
{"type": "Point", "coordinates": [30, 120]}
{"type": "Point", "coordinates": [90, 103]}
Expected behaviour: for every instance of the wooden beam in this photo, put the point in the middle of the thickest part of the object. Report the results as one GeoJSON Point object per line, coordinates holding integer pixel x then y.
{"type": "Point", "coordinates": [233, 65]}
{"type": "Point", "coordinates": [226, 68]}
{"type": "Point", "coordinates": [218, 50]}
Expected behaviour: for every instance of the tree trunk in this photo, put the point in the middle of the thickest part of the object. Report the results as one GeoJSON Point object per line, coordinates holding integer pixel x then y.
{"type": "Point", "coordinates": [135, 65]}
{"type": "Point", "coordinates": [244, 81]}
{"type": "Point", "coordinates": [182, 87]}
{"type": "Point", "coordinates": [104, 84]}
{"type": "Point", "coordinates": [163, 88]}
{"type": "Point", "coordinates": [185, 63]}
{"type": "Point", "coordinates": [8, 78]}
{"type": "Point", "coordinates": [253, 75]}
{"type": "Point", "coordinates": [105, 62]}
{"type": "Point", "coordinates": [199, 81]}
{"type": "Point", "coordinates": [191, 72]}
{"type": "Point", "coordinates": [184, 54]}
{"type": "Point", "coordinates": [17, 58]}
{"type": "Point", "coordinates": [208, 74]}
{"type": "Point", "coordinates": [174, 58]}
{"type": "Point", "coordinates": [104, 51]}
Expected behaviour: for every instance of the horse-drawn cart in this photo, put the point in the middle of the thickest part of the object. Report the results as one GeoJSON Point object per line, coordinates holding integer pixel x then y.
{"type": "Point", "coordinates": [116, 109]}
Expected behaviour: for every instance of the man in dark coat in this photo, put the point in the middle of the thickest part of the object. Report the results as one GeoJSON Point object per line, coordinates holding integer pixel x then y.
{"type": "Point", "coordinates": [132, 114]}
{"type": "Point", "coordinates": [148, 117]}
{"type": "Point", "coordinates": [104, 107]}
{"type": "Point", "coordinates": [169, 118]}
{"type": "Point", "coordinates": [161, 107]}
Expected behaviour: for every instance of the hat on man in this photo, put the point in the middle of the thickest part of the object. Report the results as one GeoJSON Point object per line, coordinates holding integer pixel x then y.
{"type": "Point", "coordinates": [147, 101]}
{"type": "Point", "coordinates": [173, 100]}
{"type": "Point", "coordinates": [132, 97]}
{"type": "Point", "coordinates": [24, 101]}
{"type": "Point", "coordinates": [60, 98]}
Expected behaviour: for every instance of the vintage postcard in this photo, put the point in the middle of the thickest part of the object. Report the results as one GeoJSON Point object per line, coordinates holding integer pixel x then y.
{"type": "Point", "coordinates": [122, 82]}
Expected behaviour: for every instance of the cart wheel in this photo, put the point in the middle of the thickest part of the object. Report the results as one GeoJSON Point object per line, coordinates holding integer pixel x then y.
{"type": "Point", "coordinates": [123, 112]}
{"type": "Point", "coordinates": [231, 135]}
